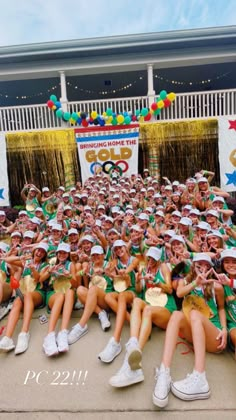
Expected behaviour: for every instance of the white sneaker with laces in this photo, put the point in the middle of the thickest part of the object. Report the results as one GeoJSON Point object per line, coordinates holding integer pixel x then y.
{"type": "Point", "coordinates": [103, 318]}
{"type": "Point", "coordinates": [50, 345]}
{"type": "Point", "coordinates": [111, 351]}
{"type": "Point", "coordinates": [22, 342]}
{"type": "Point", "coordinates": [193, 387]}
{"type": "Point", "coordinates": [6, 344]}
{"type": "Point", "coordinates": [62, 341]}
{"type": "Point", "coordinates": [76, 333]}
{"type": "Point", "coordinates": [125, 376]}
{"type": "Point", "coordinates": [162, 387]}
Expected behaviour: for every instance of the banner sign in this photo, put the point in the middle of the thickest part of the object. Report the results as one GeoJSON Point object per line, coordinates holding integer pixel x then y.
{"type": "Point", "coordinates": [108, 149]}
{"type": "Point", "coordinates": [227, 152]}
{"type": "Point", "coordinates": [4, 186]}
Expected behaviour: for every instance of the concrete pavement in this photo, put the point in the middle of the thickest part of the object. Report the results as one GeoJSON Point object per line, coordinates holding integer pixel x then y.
{"type": "Point", "coordinates": [36, 387]}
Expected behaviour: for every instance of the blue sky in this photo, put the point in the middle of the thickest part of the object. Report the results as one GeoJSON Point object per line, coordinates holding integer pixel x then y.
{"type": "Point", "coordinates": [30, 21]}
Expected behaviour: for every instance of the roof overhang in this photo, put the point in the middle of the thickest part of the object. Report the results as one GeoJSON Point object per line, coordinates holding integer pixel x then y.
{"type": "Point", "coordinates": [119, 53]}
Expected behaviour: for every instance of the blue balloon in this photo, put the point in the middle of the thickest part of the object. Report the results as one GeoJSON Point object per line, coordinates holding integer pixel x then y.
{"type": "Point", "coordinates": [102, 123]}
{"type": "Point", "coordinates": [125, 114]}
{"type": "Point", "coordinates": [58, 104]}
{"type": "Point", "coordinates": [79, 121]}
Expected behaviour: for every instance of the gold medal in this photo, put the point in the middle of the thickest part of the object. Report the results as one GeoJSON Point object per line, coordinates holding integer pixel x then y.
{"type": "Point", "coordinates": [61, 284]}
{"type": "Point", "coordinates": [50, 208]}
{"type": "Point", "coordinates": [30, 207]}
{"type": "Point", "coordinates": [197, 303]}
{"type": "Point", "coordinates": [98, 281]}
{"type": "Point", "coordinates": [120, 284]}
{"type": "Point", "coordinates": [3, 276]}
{"type": "Point", "coordinates": [155, 297]}
{"type": "Point", "coordinates": [27, 284]}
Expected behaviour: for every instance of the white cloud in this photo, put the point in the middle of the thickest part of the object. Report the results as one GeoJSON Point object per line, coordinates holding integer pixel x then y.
{"type": "Point", "coordinates": [40, 20]}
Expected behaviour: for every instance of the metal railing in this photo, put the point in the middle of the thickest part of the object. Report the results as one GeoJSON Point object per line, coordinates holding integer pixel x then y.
{"type": "Point", "coordinates": [193, 105]}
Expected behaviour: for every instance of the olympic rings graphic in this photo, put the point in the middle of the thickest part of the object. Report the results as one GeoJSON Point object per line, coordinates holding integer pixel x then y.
{"type": "Point", "coordinates": [109, 166]}
{"type": "Point", "coordinates": [93, 165]}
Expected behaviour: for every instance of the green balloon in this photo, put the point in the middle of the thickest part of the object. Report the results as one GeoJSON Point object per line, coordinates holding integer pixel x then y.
{"type": "Point", "coordinates": [114, 121]}
{"type": "Point", "coordinates": [66, 116]}
{"type": "Point", "coordinates": [109, 112]}
{"type": "Point", "coordinates": [137, 112]}
{"type": "Point", "coordinates": [157, 112]}
{"type": "Point", "coordinates": [53, 98]}
{"type": "Point", "coordinates": [75, 116]}
{"type": "Point", "coordinates": [144, 112]}
{"type": "Point", "coordinates": [127, 120]}
{"type": "Point", "coordinates": [163, 94]}
{"type": "Point", "coordinates": [59, 113]}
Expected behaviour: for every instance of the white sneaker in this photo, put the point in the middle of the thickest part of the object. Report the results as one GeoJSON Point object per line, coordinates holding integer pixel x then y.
{"type": "Point", "coordinates": [125, 377]}
{"type": "Point", "coordinates": [50, 345]}
{"type": "Point", "coordinates": [162, 387]}
{"type": "Point", "coordinates": [111, 351]}
{"type": "Point", "coordinates": [193, 387]}
{"type": "Point", "coordinates": [6, 344]}
{"type": "Point", "coordinates": [76, 333]}
{"type": "Point", "coordinates": [78, 305]}
{"type": "Point", "coordinates": [135, 358]}
{"type": "Point", "coordinates": [4, 310]}
{"type": "Point", "coordinates": [62, 341]}
{"type": "Point", "coordinates": [103, 318]}
{"type": "Point", "coordinates": [22, 342]}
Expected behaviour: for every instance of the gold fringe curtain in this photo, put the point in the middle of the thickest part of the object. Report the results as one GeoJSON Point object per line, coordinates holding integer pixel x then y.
{"type": "Point", "coordinates": [173, 149]}
{"type": "Point", "coordinates": [46, 158]}
{"type": "Point", "coordinates": [181, 148]}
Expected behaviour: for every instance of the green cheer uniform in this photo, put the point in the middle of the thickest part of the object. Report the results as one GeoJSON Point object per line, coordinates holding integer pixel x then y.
{"type": "Point", "coordinates": [39, 288]}
{"type": "Point", "coordinates": [214, 317]}
{"type": "Point", "coordinates": [230, 307]}
{"type": "Point", "coordinates": [170, 304]}
{"type": "Point", "coordinates": [51, 291]}
{"type": "Point", "coordinates": [109, 287]}
{"type": "Point", "coordinates": [50, 208]}
{"type": "Point", "coordinates": [131, 288]}
{"type": "Point", "coordinates": [34, 203]}
{"type": "Point", "coordinates": [4, 269]}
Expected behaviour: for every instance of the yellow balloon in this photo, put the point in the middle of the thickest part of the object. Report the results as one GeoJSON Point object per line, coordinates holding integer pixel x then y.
{"type": "Point", "coordinates": [141, 119]}
{"type": "Point", "coordinates": [104, 114]}
{"type": "Point", "coordinates": [72, 121]}
{"type": "Point", "coordinates": [110, 119]}
{"type": "Point", "coordinates": [160, 104]}
{"type": "Point", "coordinates": [171, 96]}
{"type": "Point", "coordinates": [94, 115]}
{"type": "Point", "coordinates": [120, 119]}
{"type": "Point", "coordinates": [54, 107]}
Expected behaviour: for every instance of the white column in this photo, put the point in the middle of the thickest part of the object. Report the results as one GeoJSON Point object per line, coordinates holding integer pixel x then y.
{"type": "Point", "coordinates": [151, 92]}
{"type": "Point", "coordinates": [63, 98]}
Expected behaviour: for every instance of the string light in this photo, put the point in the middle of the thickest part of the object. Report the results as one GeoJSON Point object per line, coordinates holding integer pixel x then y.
{"type": "Point", "coordinates": [34, 95]}
{"type": "Point", "coordinates": [190, 83]}
{"type": "Point", "coordinates": [114, 91]}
